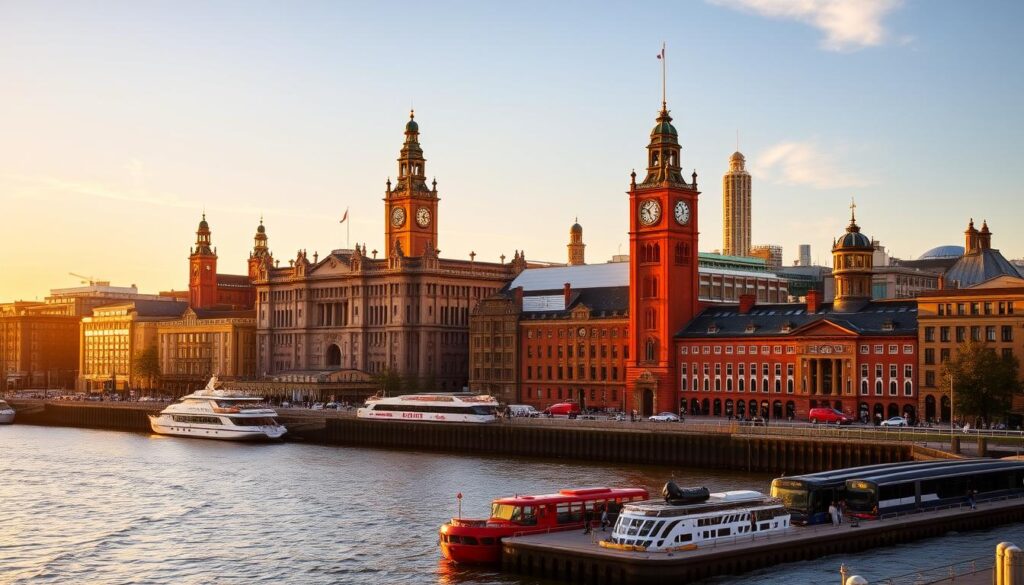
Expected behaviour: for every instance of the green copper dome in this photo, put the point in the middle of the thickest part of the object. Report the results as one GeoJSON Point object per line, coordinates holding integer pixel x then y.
{"type": "Point", "coordinates": [412, 126]}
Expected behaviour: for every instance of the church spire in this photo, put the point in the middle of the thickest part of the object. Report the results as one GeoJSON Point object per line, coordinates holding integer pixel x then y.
{"type": "Point", "coordinates": [203, 238]}
{"type": "Point", "coordinates": [663, 164]}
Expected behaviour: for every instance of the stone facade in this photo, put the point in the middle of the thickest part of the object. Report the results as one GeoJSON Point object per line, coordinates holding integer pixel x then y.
{"type": "Point", "coordinates": [204, 343]}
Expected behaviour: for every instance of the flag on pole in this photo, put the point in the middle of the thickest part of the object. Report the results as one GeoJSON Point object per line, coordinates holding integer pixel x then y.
{"type": "Point", "coordinates": [661, 55]}
{"type": "Point", "coordinates": [344, 217]}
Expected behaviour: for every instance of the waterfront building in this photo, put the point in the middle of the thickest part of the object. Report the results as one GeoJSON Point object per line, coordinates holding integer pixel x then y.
{"type": "Point", "coordinates": [38, 349]}
{"type": "Point", "coordinates": [560, 333]}
{"type": "Point", "coordinates": [206, 288]}
{"type": "Point", "coordinates": [736, 208]}
{"type": "Point", "coordinates": [856, 354]}
{"type": "Point", "coordinates": [203, 343]}
{"type": "Point", "coordinates": [405, 313]}
{"type": "Point", "coordinates": [116, 334]}
{"type": "Point", "coordinates": [770, 253]}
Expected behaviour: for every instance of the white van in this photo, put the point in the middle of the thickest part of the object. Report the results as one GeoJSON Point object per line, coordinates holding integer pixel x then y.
{"type": "Point", "coordinates": [523, 410]}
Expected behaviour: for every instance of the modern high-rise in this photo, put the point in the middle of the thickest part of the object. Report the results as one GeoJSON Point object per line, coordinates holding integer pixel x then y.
{"type": "Point", "coordinates": [736, 208]}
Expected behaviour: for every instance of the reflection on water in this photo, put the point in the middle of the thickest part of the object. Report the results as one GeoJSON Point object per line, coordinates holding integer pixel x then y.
{"type": "Point", "coordinates": [104, 507]}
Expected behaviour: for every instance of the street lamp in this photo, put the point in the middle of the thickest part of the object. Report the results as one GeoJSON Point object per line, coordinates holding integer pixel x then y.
{"type": "Point", "coordinates": [951, 410]}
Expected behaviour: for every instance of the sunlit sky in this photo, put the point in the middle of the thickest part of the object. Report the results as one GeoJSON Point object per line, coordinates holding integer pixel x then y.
{"type": "Point", "coordinates": [121, 121]}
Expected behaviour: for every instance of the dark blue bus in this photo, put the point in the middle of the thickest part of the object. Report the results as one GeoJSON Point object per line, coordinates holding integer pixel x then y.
{"type": "Point", "coordinates": [807, 497]}
{"type": "Point", "coordinates": [912, 489]}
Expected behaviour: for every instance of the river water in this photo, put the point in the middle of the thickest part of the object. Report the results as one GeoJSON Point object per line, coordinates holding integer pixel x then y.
{"type": "Point", "coordinates": [86, 506]}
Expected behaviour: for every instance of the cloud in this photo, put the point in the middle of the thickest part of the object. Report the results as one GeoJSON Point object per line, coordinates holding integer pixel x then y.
{"type": "Point", "coordinates": [803, 163]}
{"type": "Point", "coordinates": [848, 25]}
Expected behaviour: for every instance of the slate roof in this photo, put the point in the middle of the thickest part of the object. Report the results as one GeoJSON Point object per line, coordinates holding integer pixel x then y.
{"type": "Point", "coordinates": [233, 280]}
{"type": "Point", "coordinates": [147, 308]}
{"type": "Point", "coordinates": [612, 274]}
{"type": "Point", "coordinates": [215, 313]}
{"type": "Point", "coordinates": [772, 320]}
{"type": "Point", "coordinates": [603, 302]}
{"type": "Point", "coordinates": [977, 267]}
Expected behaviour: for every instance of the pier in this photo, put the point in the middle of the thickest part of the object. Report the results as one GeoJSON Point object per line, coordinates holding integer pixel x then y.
{"type": "Point", "coordinates": [574, 557]}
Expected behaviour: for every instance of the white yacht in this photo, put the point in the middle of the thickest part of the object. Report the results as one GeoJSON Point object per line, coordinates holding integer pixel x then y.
{"type": "Point", "coordinates": [690, 518]}
{"type": "Point", "coordinates": [6, 413]}
{"type": "Point", "coordinates": [432, 407]}
{"type": "Point", "coordinates": [212, 413]}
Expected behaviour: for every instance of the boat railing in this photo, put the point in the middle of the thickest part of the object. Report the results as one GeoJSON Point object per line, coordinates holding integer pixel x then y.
{"type": "Point", "coordinates": [469, 522]}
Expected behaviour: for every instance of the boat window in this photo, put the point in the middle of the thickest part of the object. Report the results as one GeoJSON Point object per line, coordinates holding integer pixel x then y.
{"type": "Point", "coordinates": [685, 537]}
{"type": "Point", "coordinates": [469, 540]}
{"type": "Point", "coordinates": [254, 421]}
{"type": "Point", "coordinates": [486, 540]}
{"type": "Point", "coordinates": [529, 516]}
{"type": "Point", "coordinates": [194, 419]}
{"type": "Point", "coordinates": [723, 532]}
{"type": "Point", "coordinates": [453, 539]}
{"type": "Point", "coordinates": [506, 512]}
{"type": "Point", "coordinates": [646, 528]}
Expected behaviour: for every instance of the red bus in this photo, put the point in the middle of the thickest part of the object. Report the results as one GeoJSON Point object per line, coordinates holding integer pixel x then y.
{"type": "Point", "coordinates": [479, 541]}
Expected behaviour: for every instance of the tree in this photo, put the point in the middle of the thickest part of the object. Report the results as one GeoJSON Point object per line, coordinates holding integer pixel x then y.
{"type": "Point", "coordinates": [983, 381]}
{"type": "Point", "coordinates": [388, 381]}
{"type": "Point", "coordinates": [146, 364]}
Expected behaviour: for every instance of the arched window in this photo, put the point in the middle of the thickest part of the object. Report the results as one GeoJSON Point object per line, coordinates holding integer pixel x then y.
{"type": "Point", "coordinates": [892, 388]}
{"type": "Point", "coordinates": [656, 253]}
{"type": "Point", "coordinates": [718, 384]}
{"type": "Point", "coordinates": [742, 384]}
{"type": "Point", "coordinates": [650, 350]}
{"type": "Point", "coordinates": [789, 386]}
{"type": "Point", "coordinates": [707, 384]}
{"type": "Point", "coordinates": [753, 384]}
{"type": "Point", "coordinates": [728, 384]}
{"type": "Point", "coordinates": [864, 387]}
{"type": "Point", "coordinates": [878, 387]}
{"type": "Point", "coordinates": [908, 388]}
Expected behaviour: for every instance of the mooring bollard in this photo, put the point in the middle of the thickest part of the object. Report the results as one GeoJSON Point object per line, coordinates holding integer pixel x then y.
{"type": "Point", "coordinates": [998, 570]}
{"type": "Point", "coordinates": [1013, 566]}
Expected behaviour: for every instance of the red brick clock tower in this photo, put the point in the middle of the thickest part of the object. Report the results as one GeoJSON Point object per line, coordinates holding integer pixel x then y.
{"type": "Point", "coordinates": [410, 208]}
{"type": "Point", "coordinates": [663, 281]}
{"type": "Point", "coordinates": [202, 265]}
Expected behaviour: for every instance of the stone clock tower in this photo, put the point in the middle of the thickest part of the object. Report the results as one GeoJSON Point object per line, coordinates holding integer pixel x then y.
{"type": "Point", "coordinates": [410, 208]}
{"type": "Point", "coordinates": [663, 281]}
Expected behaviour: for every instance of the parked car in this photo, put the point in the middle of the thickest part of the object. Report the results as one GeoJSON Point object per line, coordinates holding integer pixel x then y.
{"type": "Point", "coordinates": [563, 408]}
{"type": "Point", "coordinates": [663, 417]}
{"type": "Point", "coordinates": [523, 410]}
{"type": "Point", "coordinates": [896, 421]}
{"type": "Point", "coordinates": [828, 416]}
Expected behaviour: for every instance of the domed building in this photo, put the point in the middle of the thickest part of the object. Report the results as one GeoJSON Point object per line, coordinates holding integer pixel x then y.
{"type": "Point", "coordinates": [980, 261]}
{"type": "Point", "coordinates": [942, 252]}
{"type": "Point", "coordinates": [852, 262]}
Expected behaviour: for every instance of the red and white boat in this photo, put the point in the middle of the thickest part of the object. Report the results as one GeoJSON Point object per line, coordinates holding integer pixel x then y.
{"type": "Point", "coordinates": [478, 541]}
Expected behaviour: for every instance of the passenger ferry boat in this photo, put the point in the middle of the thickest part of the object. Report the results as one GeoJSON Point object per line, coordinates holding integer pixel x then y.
{"type": "Point", "coordinates": [437, 407]}
{"type": "Point", "coordinates": [478, 541]}
{"type": "Point", "coordinates": [212, 413]}
{"type": "Point", "coordinates": [6, 413]}
{"type": "Point", "coordinates": [691, 518]}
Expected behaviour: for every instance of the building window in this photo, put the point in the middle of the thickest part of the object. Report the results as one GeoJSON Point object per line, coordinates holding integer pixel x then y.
{"type": "Point", "coordinates": [929, 379]}
{"type": "Point", "coordinates": [864, 350]}
{"type": "Point", "coordinates": [908, 371]}
{"type": "Point", "coordinates": [908, 388]}
{"type": "Point", "coordinates": [1007, 331]}
{"type": "Point", "coordinates": [943, 355]}
{"type": "Point", "coordinates": [990, 332]}
{"type": "Point", "coordinates": [893, 348]}
{"type": "Point", "coordinates": [961, 334]}
{"type": "Point", "coordinates": [929, 356]}
{"type": "Point", "coordinates": [892, 370]}
{"type": "Point", "coordinates": [942, 310]}
{"type": "Point", "coordinates": [929, 334]}
{"type": "Point", "coordinates": [864, 387]}
{"type": "Point", "coordinates": [976, 333]}
{"type": "Point", "coordinates": [878, 387]}
{"type": "Point", "coordinates": [944, 334]}
{"type": "Point", "coordinates": [879, 349]}
{"type": "Point", "coordinates": [893, 388]}
{"type": "Point", "coordinates": [908, 349]}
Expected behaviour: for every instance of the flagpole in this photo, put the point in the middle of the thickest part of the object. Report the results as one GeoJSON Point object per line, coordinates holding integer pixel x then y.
{"type": "Point", "coordinates": [664, 73]}
{"type": "Point", "coordinates": [348, 231]}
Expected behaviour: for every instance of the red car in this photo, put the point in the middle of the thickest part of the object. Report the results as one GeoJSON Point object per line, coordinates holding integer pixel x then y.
{"type": "Point", "coordinates": [563, 408]}
{"type": "Point", "coordinates": [828, 416]}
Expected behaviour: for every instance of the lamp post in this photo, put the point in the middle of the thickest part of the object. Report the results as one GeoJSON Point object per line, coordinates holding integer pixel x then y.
{"type": "Point", "coordinates": [951, 410]}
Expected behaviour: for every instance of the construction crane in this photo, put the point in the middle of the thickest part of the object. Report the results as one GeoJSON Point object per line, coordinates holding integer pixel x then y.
{"type": "Point", "coordinates": [87, 279]}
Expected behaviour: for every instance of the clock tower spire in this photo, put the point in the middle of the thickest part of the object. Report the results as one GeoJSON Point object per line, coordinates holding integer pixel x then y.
{"type": "Point", "coordinates": [410, 207]}
{"type": "Point", "coordinates": [202, 280]}
{"type": "Point", "coordinates": [663, 281]}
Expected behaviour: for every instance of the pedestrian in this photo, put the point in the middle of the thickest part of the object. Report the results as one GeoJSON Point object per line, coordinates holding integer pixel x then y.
{"type": "Point", "coordinates": [832, 513]}
{"type": "Point", "coordinates": [588, 517]}
{"type": "Point", "coordinates": [971, 501]}
{"type": "Point", "coordinates": [604, 518]}
{"type": "Point", "coordinates": [841, 510]}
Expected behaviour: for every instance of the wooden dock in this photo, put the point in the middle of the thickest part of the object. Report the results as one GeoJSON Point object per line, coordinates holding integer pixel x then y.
{"type": "Point", "coordinates": [573, 557]}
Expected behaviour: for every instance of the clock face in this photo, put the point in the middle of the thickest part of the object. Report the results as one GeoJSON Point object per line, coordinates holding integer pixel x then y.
{"type": "Point", "coordinates": [650, 212]}
{"type": "Point", "coordinates": [582, 332]}
{"type": "Point", "coordinates": [398, 217]}
{"type": "Point", "coordinates": [423, 217]}
{"type": "Point", "coordinates": [682, 213]}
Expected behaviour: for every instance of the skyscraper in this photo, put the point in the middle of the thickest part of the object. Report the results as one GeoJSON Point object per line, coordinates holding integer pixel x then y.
{"type": "Point", "coordinates": [736, 208]}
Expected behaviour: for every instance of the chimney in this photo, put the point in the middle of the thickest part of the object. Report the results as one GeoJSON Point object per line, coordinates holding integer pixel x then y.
{"type": "Point", "coordinates": [984, 237]}
{"type": "Point", "coordinates": [813, 301]}
{"type": "Point", "coordinates": [519, 297]}
{"type": "Point", "coordinates": [942, 281]}
{"type": "Point", "coordinates": [746, 303]}
{"type": "Point", "coordinates": [567, 289]}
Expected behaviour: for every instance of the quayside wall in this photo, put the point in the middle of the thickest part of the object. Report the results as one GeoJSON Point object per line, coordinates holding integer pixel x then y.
{"type": "Point", "coordinates": [653, 447]}
{"type": "Point", "coordinates": [663, 446]}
